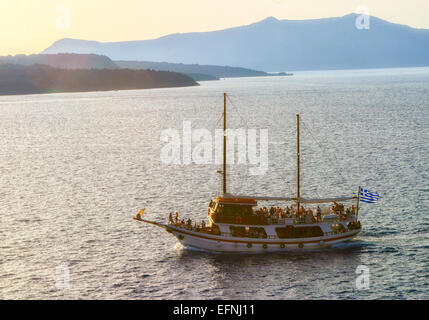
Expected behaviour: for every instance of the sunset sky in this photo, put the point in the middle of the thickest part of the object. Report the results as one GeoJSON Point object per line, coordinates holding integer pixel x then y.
{"type": "Point", "coordinates": [29, 26]}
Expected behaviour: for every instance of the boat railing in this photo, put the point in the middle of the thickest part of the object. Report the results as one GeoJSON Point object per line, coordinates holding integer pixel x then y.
{"type": "Point", "coordinates": [332, 233]}
{"type": "Point", "coordinates": [275, 221]}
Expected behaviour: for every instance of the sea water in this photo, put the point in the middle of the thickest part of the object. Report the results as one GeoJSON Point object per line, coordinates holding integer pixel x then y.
{"type": "Point", "coordinates": [76, 167]}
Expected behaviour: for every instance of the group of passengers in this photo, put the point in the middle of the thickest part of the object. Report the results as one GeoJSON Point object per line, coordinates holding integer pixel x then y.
{"type": "Point", "coordinates": [188, 224]}
{"type": "Point", "coordinates": [338, 209]}
{"type": "Point", "coordinates": [302, 215]}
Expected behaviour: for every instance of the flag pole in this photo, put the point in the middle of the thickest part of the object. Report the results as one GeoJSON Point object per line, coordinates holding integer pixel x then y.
{"type": "Point", "coordinates": [357, 203]}
{"type": "Point", "coordinates": [297, 165]}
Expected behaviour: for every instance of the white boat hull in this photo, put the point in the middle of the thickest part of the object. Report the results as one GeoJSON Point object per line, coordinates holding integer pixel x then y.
{"type": "Point", "coordinates": [234, 244]}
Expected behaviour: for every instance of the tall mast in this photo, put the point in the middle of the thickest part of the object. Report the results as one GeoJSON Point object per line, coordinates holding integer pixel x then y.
{"type": "Point", "coordinates": [224, 144]}
{"type": "Point", "coordinates": [297, 163]}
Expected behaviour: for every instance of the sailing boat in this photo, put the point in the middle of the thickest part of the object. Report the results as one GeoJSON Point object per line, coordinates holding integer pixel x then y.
{"type": "Point", "coordinates": [237, 225]}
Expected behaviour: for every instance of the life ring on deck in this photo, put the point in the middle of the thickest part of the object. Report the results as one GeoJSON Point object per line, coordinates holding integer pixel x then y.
{"type": "Point", "coordinates": [249, 245]}
{"type": "Point", "coordinates": [282, 246]}
{"type": "Point", "coordinates": [300, 245]}
{"type": "Point", "coordinates": [265, 246]}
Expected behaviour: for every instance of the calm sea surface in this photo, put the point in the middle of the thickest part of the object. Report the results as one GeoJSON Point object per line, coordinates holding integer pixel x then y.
{"type": "Point", "coordinates": [76, 167]}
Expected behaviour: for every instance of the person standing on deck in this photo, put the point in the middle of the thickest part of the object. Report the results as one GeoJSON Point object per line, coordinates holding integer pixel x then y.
{"type": "Point", "coordinates": [319, 214]}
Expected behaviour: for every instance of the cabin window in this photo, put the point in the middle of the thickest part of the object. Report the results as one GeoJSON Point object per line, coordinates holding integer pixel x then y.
{"type": "Point", "coordinates": [236, 214]}
{"type": "Point", "coordinates": [248, 232]}
{"type": "Point", "coordinates": [299, 232]}
{"type": "Point", "coordinates": [234, 210]}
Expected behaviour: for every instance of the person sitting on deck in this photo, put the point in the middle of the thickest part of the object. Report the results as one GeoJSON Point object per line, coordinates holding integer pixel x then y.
{"type": "Point", "coordinates": [176, 217]}
{"type": "Point", "coordinates": [203, 224]}
{"type": "Point", "coordinates": [313, 215]}
{"type": "Point", "coordinates": [348, 212]}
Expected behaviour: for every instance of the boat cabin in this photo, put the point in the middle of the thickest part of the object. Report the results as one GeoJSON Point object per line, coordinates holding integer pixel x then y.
{"type": "Point", "coordinates": [234, 211]}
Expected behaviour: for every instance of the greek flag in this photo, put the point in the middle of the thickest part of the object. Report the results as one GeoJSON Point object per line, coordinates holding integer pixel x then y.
{"type": "Point", "coordinates": [367, 196]}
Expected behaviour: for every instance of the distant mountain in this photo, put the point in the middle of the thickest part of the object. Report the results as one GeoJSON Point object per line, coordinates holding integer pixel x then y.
{"type": "Point", "coordinates": [276, 45]}
{"type": "Point", "coordinates": [62, 60]}
{"type": "Point", "coordinates": [199, 71]}
{"type": "Point", "coordinates": [37, 78]}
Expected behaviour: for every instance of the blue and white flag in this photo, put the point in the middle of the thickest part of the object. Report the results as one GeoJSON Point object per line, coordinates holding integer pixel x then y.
{"type": "Point", "coordinates": [367, 196]}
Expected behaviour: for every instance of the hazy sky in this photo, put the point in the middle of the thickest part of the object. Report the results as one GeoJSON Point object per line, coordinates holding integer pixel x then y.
{"type": "Point", "coordinates": [29, 26]}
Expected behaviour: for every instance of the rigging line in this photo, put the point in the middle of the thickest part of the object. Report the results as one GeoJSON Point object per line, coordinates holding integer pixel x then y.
{"type": "Point", "coordinates": [287, 183]}
{"type": "Point", "coordinates": [326, 155]}
{"type": "Point", "coordinates": [246, 125]}
{"type": "Point", "coordinates": [238, 113]}
{"type": "Point", "coordinates": [304, 179]}
{"type": "Point", "coordinates": [244, 122]}
{"type": "Point", "coordinates": [217, 122]}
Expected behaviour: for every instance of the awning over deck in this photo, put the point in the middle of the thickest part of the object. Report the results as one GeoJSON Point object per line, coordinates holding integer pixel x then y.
{"type": "Point", "coordinates": [326, 200]}
{"type": "Point", "coordinates": [252, 199]}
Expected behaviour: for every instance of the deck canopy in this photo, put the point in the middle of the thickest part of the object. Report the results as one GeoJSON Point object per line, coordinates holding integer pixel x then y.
{"type": "Point", "coordinates": [267, 198]}
{"type": "Point", "coordinates": [326, 200]}
{"type": "Point", "coordinates": [249, 200]}
{"type": "Point", "coordinates": [252, 200]}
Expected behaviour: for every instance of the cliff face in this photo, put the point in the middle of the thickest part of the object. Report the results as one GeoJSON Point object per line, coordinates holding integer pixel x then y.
{"type": "Point", "coordinates": [18, 79]}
